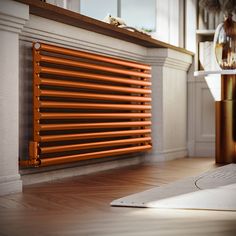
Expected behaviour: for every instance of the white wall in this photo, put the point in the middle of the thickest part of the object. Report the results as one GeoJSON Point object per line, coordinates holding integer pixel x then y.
{"type": "Point", "coordinates": [13, 16]}
{"type": "Point", "coordinates": [201, 108]}
{"type": "Point", "coordinates": [169, 106]}
{"type": "Point", "coordinates": [201, 118]}
{"type": "Point", "coordinates": [168, 26]}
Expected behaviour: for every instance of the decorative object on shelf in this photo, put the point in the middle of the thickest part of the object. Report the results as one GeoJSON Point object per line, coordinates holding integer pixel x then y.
{"type": "Point", "coordinates": [206, 55]}
{"type": "Point", "coordinates": [117, 21]}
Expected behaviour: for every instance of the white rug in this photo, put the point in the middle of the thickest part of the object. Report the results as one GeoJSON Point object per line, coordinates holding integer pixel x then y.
{"type": "Point", "coordinates": [213, 190]}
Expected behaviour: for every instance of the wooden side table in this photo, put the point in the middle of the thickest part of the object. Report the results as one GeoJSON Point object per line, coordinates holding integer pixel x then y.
{"type": "Point", "coordinates": [225, 116]}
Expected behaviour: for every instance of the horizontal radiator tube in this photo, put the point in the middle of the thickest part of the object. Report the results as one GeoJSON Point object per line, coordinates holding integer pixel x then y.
{"type": "Point", "coordinates": [112, 143]}
{"type": "Point", "coordinates": [97, 106]}
{"type": "Point", "coordinates": [47, 127]}
{"type": "Point", "coordinates": [96, 77]}
{"type": "Point", "coordinates": [79, 157]}
{"type": "Point", "coordinates": [64, 137]}
{"type": "Point", "coordinates": [70, 84]}
{"type": "Point", "coordinates": [75, 53]}
{"type": "Point", "coordinates": [63, 94]}
{"type": "Point", "coordinates": [67, 62]}
{"type": "Point", "coordinates": [70, 73]}
{"type": "Point", "coordinates": [92, 115]}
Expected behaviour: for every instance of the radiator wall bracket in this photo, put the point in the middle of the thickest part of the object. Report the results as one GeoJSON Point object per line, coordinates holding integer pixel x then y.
{"type": "Point", "coordinates": [34, 160]}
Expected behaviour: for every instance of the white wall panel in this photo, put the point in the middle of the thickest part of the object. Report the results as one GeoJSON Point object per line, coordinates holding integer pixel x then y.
{"type": "Point", "coordinates": [201, 119]}
{"type": "Point", "coordinates": [13, 16]}
{"type": "Point", "coordinates": [205, 113]}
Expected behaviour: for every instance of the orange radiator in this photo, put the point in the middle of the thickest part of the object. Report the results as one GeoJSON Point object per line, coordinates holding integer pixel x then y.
{"type": "Point", "coordinates": [87, 106]}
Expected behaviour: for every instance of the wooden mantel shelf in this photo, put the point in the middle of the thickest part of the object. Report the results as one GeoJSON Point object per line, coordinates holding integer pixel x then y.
{"type": "Point", "coordinates": [62, 15]}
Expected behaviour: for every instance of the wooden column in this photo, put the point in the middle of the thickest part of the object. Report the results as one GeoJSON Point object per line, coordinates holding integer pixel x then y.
{"type": "Point", "coordinates": [225, 121]}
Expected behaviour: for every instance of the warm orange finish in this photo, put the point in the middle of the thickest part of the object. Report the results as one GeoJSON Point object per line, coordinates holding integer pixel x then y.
{"type": "Point", "coordinates": [73, 73]}
{"type": "Point", "coordinates": [97, 77]}
{"type": "Point", "coordinates": [63, 94]}
{"type": "Point", "coordinates": [103, 125]}
{"type": "Point", "coordinates": [75, 53]}
{"type": "Point", "coordinates": [79, 157]}
{"type": "Point", "coordinates": [90, 66]}
{"type": "Point", "coordinates": [123, 133]}
{"type": "Point", "coordinates": [49, 104]}
{"type": "Point", "coordinates": [93, 115]}
{"type": "Point", "coordinates": [70, 84]}
{"type": "Point", "coordinates": [112, 143]}
{"type": "Point", "coordinates": [36, 77]}
{"type": "Point", "coordinates": [89, 102]}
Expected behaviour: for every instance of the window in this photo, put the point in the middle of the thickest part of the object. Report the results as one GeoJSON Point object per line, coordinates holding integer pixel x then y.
{"type": "Point", "coordinates": [136, 13]}
{"type": "Point", "coordinates": [98, 9]}
{"type": "Point", "coordinates": [139, 14]}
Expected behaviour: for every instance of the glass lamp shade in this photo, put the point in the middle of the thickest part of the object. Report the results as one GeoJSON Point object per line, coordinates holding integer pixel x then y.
{"type": "Point", "coordinates": [225, 44]}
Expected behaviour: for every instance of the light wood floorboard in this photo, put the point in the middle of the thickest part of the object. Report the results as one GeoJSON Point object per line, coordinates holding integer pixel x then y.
{"type": "Point", "coordinates": [80, 205]}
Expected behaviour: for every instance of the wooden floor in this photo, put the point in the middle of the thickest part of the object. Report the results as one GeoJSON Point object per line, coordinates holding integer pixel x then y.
{"type": "Point", "coordinates": [80, 206]}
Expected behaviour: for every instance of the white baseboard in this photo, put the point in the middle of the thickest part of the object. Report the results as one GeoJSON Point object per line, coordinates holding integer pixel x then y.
{"type": "Point", "coordinates": [50, 175]}
{"type": "Point", "coordinates": [10, 184]}
{"type": "Point", "coordinates": [201, 149]}
{"type": "Point", "coordinates": [167, 155]}
{"type": "Point", "coordinates": [205, 149]}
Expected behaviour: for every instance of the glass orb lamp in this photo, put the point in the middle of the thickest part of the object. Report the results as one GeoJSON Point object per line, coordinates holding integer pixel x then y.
{"type": "Point", "coordinates": [225, 44]}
